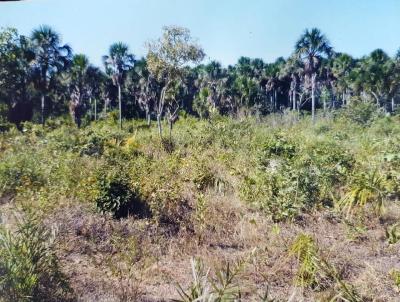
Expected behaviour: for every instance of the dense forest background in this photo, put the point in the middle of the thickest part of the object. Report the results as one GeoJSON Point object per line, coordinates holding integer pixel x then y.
{"type": "Point", "coordinates": [41, 78]}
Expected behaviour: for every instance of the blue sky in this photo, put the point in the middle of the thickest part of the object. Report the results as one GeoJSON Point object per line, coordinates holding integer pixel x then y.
{"type": "Point", "coordinates": [227, 29]}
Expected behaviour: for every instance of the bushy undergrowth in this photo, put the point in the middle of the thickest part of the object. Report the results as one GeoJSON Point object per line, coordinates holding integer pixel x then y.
{"type": "Point", "coordinates": [282, 166]}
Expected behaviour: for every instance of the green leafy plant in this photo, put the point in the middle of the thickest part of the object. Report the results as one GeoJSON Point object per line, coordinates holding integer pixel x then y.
{"type": "Point", "coordinates": [393, 233]}
{"type": "Point", "coordinates": [395, 274]}
{"type": "Point", "coordinates": [365, 188]}
{"type": "Point", "coordinates": [314, 270]}
{"type": "Point", "coordinates": [199, 288]}
{"type": "Point", "coordinates": [28, 265]}
{"type": "Point", "coordinates": [20, 170]}
{"type": "Point", "coordinates": [360, 112]}
{"type": "Point", "coordinates": [113, 193]}
{"type": "Point", "coordinates": [223, 287]}
{"type": "Point", "coordinates": [278, 145]}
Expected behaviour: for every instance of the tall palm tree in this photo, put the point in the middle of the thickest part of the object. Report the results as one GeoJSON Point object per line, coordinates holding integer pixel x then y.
{"type": "Point", "coordinates": [292, 70]}
{"type": "Point", "coordinates": [117, 63]}
{"type": "Point", "coordinates": [95, 82]}
{"type": "Point", "coordinates": [51, 58]}
{"type": "Point", "coordinates": [311, 48]}
{"type": "Point", "coordinates": [342, 66]}
{"type": "Point", "coordinates": [79, 86]}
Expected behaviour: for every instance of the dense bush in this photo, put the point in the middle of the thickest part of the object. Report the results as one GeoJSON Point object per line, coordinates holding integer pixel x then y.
{"type": "Point", "coordinates": [291, 176]}
{"type": "Point", "coordinates": [361, 112]}
{"type": "Point", "coordinates": [19, 170]}
{"type": "Point", "coordinates": [113, 193]}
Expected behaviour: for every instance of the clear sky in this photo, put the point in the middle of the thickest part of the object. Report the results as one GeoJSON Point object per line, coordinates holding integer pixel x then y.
{"type": "Point", "coordinates": [227, 29]}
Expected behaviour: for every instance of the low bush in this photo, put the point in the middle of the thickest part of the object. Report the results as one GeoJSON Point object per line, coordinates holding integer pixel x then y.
{"type": "Point", "coordinates": [113, 193]}
{"type": "Point", "coordinates": [361, 112]}
{"type": "Point", "coordinates": [28, 265]}
{"type": "Point", "coordinates": [19, 170]}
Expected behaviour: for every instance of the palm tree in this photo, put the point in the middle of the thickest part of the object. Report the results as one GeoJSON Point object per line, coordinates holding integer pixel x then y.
{"type": "Point", "coordinates": [210, 77]}
{"type": "Point", "coordinates": [51, 58]}
{"type": "Point", "coordinates": [95, 81]}
{"type": "Point", "coordinates": [144, 87]}
{"type": "Point", "coordinates": [311, 48]}
{"type": "Point", "coordinates": [342, 66]}
{"type": "Point", "coordinates": [79, 86]}
{"type": "Point", "coordinates": [292, 70]}
{"type": "Point", "coordinates": [273, 83]}
{"type": "Point", "coordinates": [118, 61]}
{"type": "Point", "coordinates": [372, 76]}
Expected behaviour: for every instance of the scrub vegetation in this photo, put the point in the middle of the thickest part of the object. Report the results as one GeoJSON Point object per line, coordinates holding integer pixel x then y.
{"type": "Point", "coordinates": [273, 182]}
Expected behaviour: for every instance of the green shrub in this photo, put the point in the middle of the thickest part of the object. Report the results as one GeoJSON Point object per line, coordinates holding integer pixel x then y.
{"type": "Point", "coordinates": [280, 146]}
{"type": "Point", "coordinates": [162, 184]}
{"type": "Point", "coordinates": [113, 193]}
{"type": "Point", "coordinates": [366, 188]}
{"type": "Point", "coordinates": [28, 266]}
{"type": "Point", "coordinates": [284, 192]}
{"type": "Point", "coordinates": [361, 112]}
{"type": "Point", "coordinates": [19, 170]}
{"type": "Point", "coordinates": [63, 138]}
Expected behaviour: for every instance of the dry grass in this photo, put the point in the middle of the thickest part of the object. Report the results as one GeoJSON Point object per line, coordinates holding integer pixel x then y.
{"type": "Point", "coordinates": [134, 260]}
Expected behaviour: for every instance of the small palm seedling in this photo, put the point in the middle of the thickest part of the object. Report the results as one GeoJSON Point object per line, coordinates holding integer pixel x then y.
{"type": "Point", "coordinates": [305, 250]}
{"type": "Point", "coordinates": [366, 188]}
{"type": "Point", "coordinates": [28, 267]}
{"type": "Point", "coordinates": [313, 269]}
{"type": "Point", "coordinates": [199, 289]}
{"type": "Point", "coordinates": [224, 286]}
{"type": "Point", "coordinates": [393, 233]}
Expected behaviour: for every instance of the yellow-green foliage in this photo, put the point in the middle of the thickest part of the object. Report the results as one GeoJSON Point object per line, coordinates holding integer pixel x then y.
{"type": "Point", "coordinates": [27, 263]}
{"type": "Point", "coordinates": [313, 270]}
{"type": "Point", "coordinates": [306, 252]}
{"type": "Point", "coordinates": [282, 165]}
{"type": "Point", "coordinates": [396, 277]}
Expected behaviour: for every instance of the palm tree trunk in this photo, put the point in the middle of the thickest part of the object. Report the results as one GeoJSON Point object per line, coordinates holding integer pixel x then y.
{"type": "Point", "coordinates": [91, 108]}
{"type": "Point", "coordinates": [294, 99]}
{"type": "Point", "coordinates": [160, 109]}
{"type": "Point", "coordinates": [272, 101]}
{"type": "Point", "coordinates": [42, 107]}
{"type": "Point", "coordinates": [170, 130]}
{"type": "Point", "coordinates": [313, 97]}
{"type": "Point", "coordinates": [159, 125]}
{"type": "Point", "coordinates": [120, 106]}
{"type": "Point", "coordinates": [148, 116]}
{"type": "Point", "coordinates": [344, 98]}
{"type": "Point", "coordinates": [95, 109]}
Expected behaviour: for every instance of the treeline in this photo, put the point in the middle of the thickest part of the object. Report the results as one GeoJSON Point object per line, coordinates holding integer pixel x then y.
{"type": "Point", "coordinates": [40, 77]}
